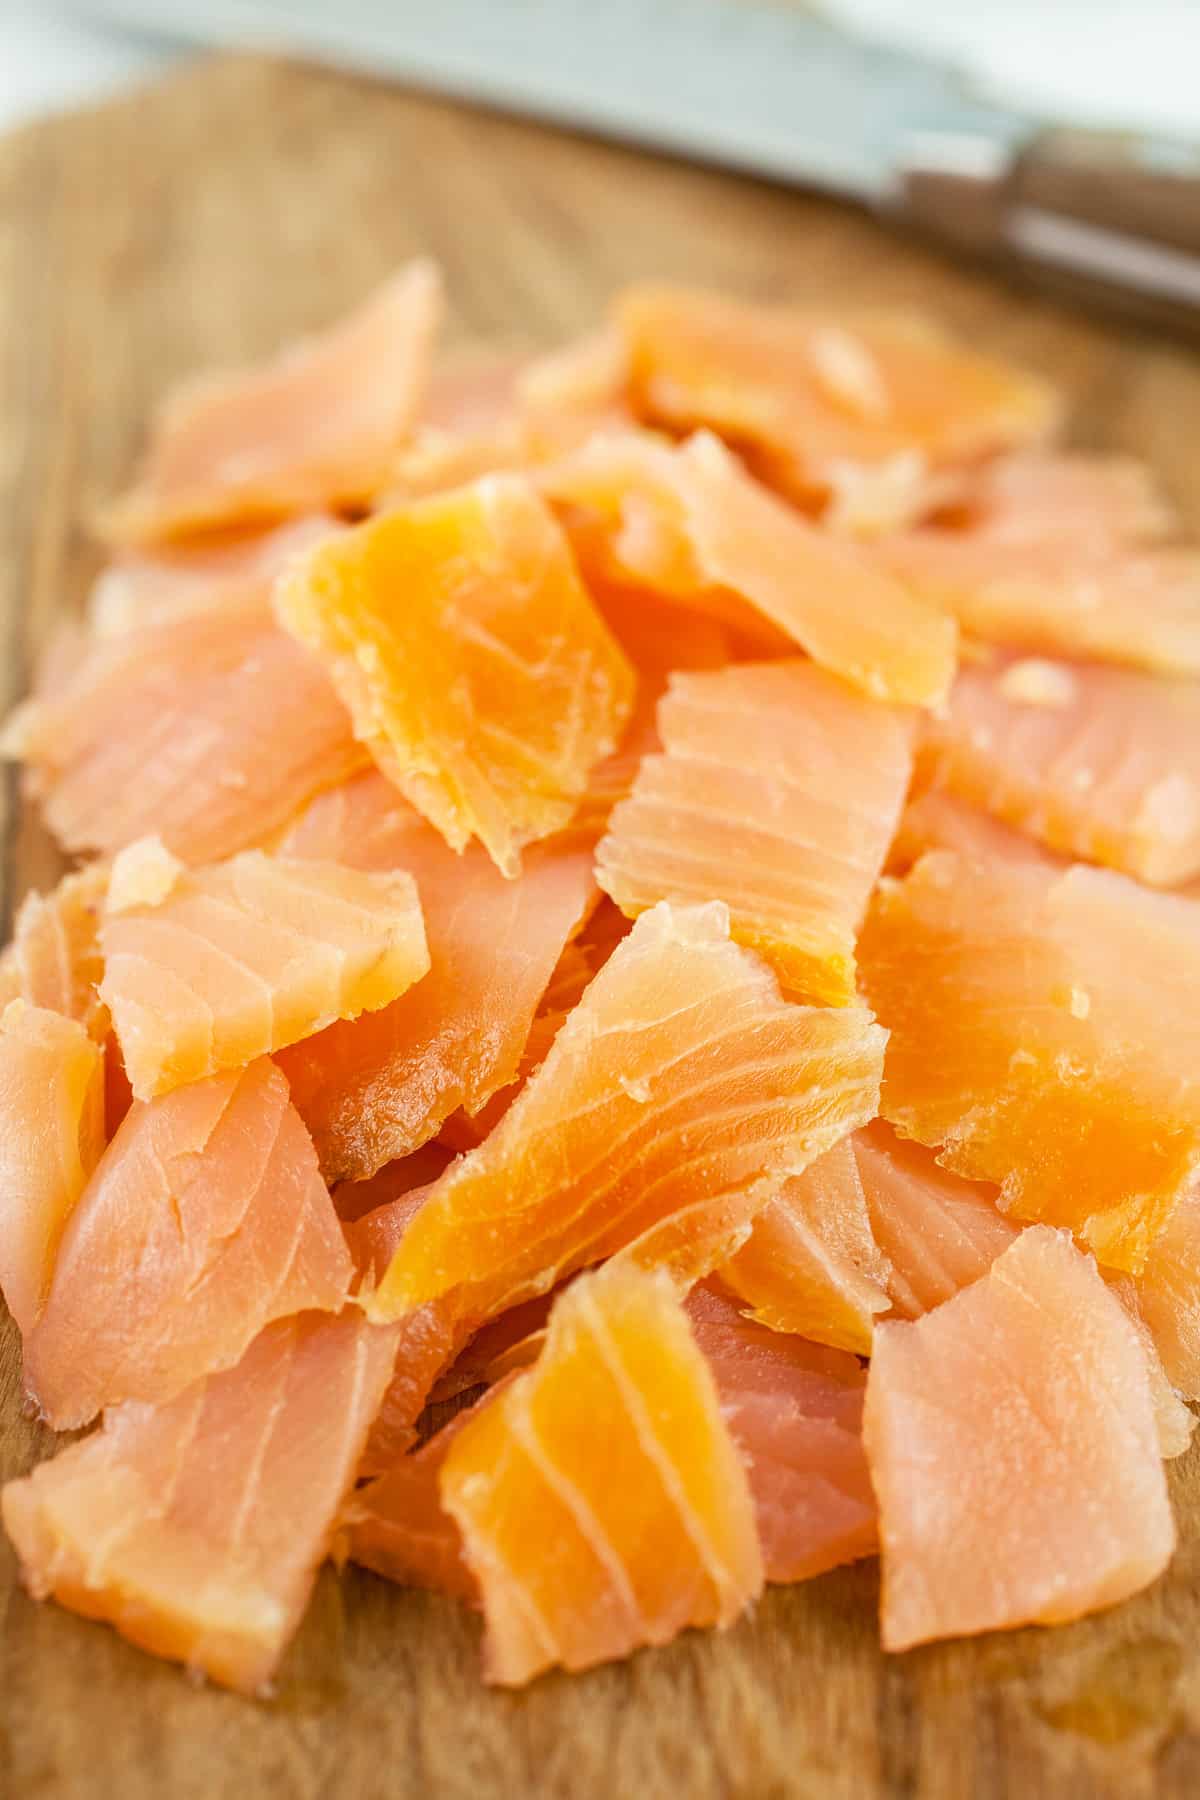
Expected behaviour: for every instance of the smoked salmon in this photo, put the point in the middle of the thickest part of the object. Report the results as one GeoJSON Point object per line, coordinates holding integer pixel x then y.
{"type": "Point", "coordinates": [376, 1088]}
{"type": "Point", "coordinates": [760, 800]}
{"type": "Point", "coordinates": [205, 1219]}
{"type": "Point", "coordinates": [1053, 1355]}
{"type": "Point", "coordinates": [208, 731]}
{"type": "Point", "coordinates": [315, 427]}
{"type": "Point", "coordinates": [682, 1079]}
{"type": "Point", "coordinates": [1097, 763]}
{"type": "Point", "coordinates": [489, 695]}
{"type": "Point", "coordinates": [578, 1558]}
{"type": "Point", "coordinates": [229, 962]}
{"type": "Point", "coordinates": [197, 1528]}
{"type": "Point", "coordinates": [1025, 1008]}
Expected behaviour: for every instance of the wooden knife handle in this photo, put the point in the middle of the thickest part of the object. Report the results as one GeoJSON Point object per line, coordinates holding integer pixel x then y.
{"type": "Point", "coordinates": [1103, 215]}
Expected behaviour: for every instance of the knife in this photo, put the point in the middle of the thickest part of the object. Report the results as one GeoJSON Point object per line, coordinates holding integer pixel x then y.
{"type": "Point", "coordinates": [776, 91]}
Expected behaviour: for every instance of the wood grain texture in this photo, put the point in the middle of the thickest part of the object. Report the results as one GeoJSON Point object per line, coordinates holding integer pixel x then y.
{"type": "Point", "coordinates": [200, 222]}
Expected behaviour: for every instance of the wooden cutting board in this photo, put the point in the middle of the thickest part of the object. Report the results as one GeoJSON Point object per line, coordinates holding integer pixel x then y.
{"type": "Point", "coordinates": [200, 222]}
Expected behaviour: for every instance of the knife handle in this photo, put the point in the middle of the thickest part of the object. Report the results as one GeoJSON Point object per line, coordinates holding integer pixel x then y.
{"type": "Point", "coordinates": [1101, 215]}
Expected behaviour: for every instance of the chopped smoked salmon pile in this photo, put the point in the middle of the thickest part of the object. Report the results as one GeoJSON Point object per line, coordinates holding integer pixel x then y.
{"type": "Point", "coordinates": [624, 1023]}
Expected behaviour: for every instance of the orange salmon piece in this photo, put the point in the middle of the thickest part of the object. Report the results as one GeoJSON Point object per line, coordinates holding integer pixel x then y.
{"type": "Point", "coordinates": [54, 958]}
{"type": "Point", "coordinates": [170, 583]}
{"type": "Point", "coordinates": [795, 1412]}
{"type": "Point", "coordinates": [397, 1525]}
{"type": "Point", "coordinates": [315, 427]}
{"type": "Point", "coordinates": [51, 1138]}
{"type": "Point", "coordinates": [376, 1088]}
{"type": "Point", "coordinates": [675, 1098]}
{"type": "Point", "coordinates": [811, 1265]}
{"type": "Point", "coordinates": [806, 394]}
{"type": "Point", "coordinates": [689, 522]}
{"type": "Point", "coordinates": [205, 1220]}
{"type": "Point", "coordinates": [938, 820]}
{"type": "Point", "coordinates": [197, 1528]}
{"type": "Point", "coordinates": [779, 792]}
{"type": "Point", "coordinates": [601, 1499]}
{"type": "Point", "coordinates": [210, 731]}
{"type": "Point", "coordinates": [1092, 598]}
{"type": "Point", "coordinates": [488, 696]}
{"type": "Point", "coordinates": [1077, 497]}
{"type": "Point", "coordinates": [1026, 1012]}
{"type": "Point", "coordinates": [1040, 1344]}
{"type": "Point", "coordinates": [1097, 763]}
{"type": "Point", "coordinates": [244, 957]}
{"type": "Point", "coordinates": [937, 1233]}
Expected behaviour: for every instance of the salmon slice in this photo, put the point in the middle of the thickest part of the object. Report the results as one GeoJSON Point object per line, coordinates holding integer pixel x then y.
{"type": "Point", "coordinates": [805, 394]}
{"type": "Point", "coordinates": [601, 1499]}
{"type": "Point", "coordinates": [197, 1528]}
{"type": "Point", "coordinates": [795, 1412]}
{"type": "Point", "coordinates": [166, 585]}
{"type": "Point", "coordinates": [779, 792]}
{"type": "Point", "coordinates": [375, 1089]}
{"type": "Point", "coordinates": [1029, 1039]}
{"type": "Point", "coordinates": [492, 692]}
{"type": "Point", "coordinates": [210, 731]}
{"type": "Point", "coordinates": [691, 523]}
{"type": "Point", "coordinates": [1097, 763]}
{"type": "Point", "coordinates": [679, 1093]}
{"type": "Point", "coordinates": [314, 427]}
{"type": "Point", "coordinates": [936, 1232]}
{"type": "Point", "coordinates": [54, 959]}
{"type": "Point", "coordinates": [244, 957]}
{"type": "Point", "coordinates": [1090, 598]}
{"type": "Point", "coordinates": [51, 1138]}
{"type": "Point", "coordinates": [811, 1264]}
{"type": "Point", "coordinates": [397, 1526]}
{"type": "Point", "coordinates": [1168, 1295]}
{"type": "Point", "coordinates": [1040, 1344]}
{"type": "Point", "coordinates": [938, 820]}
{"type": "Point", "coordinates": [205, 1220]}
{"type": "Point", "coordinates": [355, 1199]}
{"type": "Point", "coordinates": [1074, 496]}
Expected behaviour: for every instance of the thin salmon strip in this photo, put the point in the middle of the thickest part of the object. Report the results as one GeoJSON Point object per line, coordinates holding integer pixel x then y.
{"type": "Point", "coordinates": [1074, 496]}
{"type": "Point", "coordinates": [690, 522]}
{"type": "Point", "coordinates": [806, 393]}
{"type": "Point", "coordinates": [196, 1529]}
{"type": "Point", "coordinates": [244, 957]}
{"type": "Point", "coordinates": [795, 1412]}
{"type": "Point", "coordinates": [375, 1089]}
{"type": "Point", "coordinates": [1136, 605]}
{"type": "Point", "coordinates": [162, 586]}
{"type": "Point", "coordinates": [936, 1232]}
{"type": "Point", "coordinates": [315, 427]}
{"type": "Point", "coordinates": [397, 1526]}
{"type": "Point", "coordinates": [811, 1264]}
{"type": "Point", "coordinates": [1167, 1294]}
{"type": "Point", "coordinates": [680, 1092]}
{"type": "Point", "coordinates": [1040, 1344]}
{"type": "Point", "coordinates": [355, 1199]}
{"type": "Point", "coordinates": [51, 1138]}
{"type": "Point", "coordinates": [488, 696]}
{"type": "Point", "coordinates": [779, 793]}
{"type": "Point", "coordinates": [1097, 763]}
{"type": "Point", "coordinates": [210, 732]}
{"type": "Point", "coordinates": [938, 820]}
{"type": "Point", "coordinates": [601, 1499]}
{"type": "Point", "coordinates": [1042, 1027]}
{"type": "Point", "coordinates": [211, 1196]}
{"type": "Point", "coordinates": [54, 958]}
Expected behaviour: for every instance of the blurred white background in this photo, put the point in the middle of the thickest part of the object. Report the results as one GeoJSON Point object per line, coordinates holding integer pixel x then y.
{"type": "Point", "coordinates": [1130, 63]}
